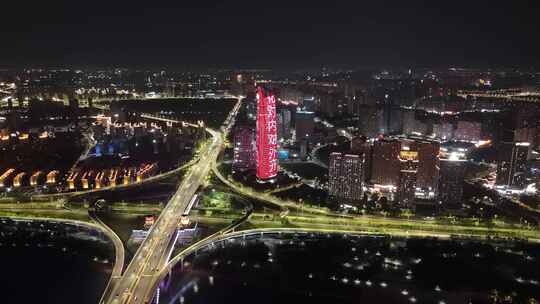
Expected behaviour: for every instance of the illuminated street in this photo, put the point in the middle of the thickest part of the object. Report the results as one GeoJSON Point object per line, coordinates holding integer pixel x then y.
{"type": "Point", "coordinates": [152, 254]}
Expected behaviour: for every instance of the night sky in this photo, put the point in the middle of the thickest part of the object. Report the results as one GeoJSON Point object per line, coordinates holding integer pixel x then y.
{"type": "Point", "coordinates": [276, 34]}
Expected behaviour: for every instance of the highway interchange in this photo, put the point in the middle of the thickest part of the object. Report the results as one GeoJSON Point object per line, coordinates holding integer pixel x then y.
{"type": "Point", "coordinates": [151, 261]}
{"type": "Point", "coordinates": [152, 254]}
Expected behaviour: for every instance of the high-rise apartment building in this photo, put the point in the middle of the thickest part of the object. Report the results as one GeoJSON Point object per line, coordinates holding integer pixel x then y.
{"type": "Point", "coordinates": [428, 166]}
{"type": "Point", "coordinates": [452, 174]}
{"type": "Point", "coordinates": [512, 164]}
{"type": "Point", "coordinates": [284, 124]}
{"type": "Point", "coordinates": [345, 176]}
{"type": "Point", "coordinates": [305, 125]}
{"type": "Point", "coordinates": [360, 146]}
{"type": "Point", "coordinates": [385, 164]}
{"type": "Point", "coordinates": [407, 177]}
{"type": "Point", "coordinates": [244, 149]}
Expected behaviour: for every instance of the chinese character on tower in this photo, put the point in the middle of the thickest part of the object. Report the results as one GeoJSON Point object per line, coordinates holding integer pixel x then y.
{"type": "Point", "coordinates": [267, 166]}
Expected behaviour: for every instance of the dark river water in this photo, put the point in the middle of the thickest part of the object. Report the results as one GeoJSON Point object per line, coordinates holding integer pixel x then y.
{"type": "Point", "coordinates": [321, 268]}
{"type": "Point", "coordinates": [57, 263]}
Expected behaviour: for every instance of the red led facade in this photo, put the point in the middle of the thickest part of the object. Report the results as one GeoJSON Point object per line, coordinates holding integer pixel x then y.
{"type": "Point", "coordinates": [267, 165]}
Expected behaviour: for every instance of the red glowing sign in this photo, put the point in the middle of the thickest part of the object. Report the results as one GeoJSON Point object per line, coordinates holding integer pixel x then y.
{"type": "Point", "coordinates": [267, 166]}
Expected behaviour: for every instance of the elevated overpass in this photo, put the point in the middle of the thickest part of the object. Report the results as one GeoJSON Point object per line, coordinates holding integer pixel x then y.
{"type": "Point", "coordinates": [153, 252]}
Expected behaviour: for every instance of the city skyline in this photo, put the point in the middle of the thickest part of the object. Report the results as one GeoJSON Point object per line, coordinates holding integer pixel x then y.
{"type": "Point", "coordinates": [411, 154]}
{"type": "Point", "coordinates": [201, 152]}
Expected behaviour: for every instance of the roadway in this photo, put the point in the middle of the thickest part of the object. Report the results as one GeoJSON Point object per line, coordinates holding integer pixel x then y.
{"type": "Point", "coordinates": [119, 253]}
{"type": "Point", "coordinates": [268, 198]}
{"type": "Point", "coordinates": [223, 233]}
{"type": "Point", "coordinates": [148, 259]}
{"type": "Point", "coordinates": [152, 254]}
{"type": "Point", "coordinates": [98, 225]}
{"type": "Point", "coordinates": [315, 159]}
{"type": "Point", "coordinates": [90, 142]}
{"type": "Point", "coordinates": [168, 120]}
{"type": "Point", "coordinates": [325, 219]}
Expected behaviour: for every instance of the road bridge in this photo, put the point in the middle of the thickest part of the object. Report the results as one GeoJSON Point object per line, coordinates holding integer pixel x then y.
{"type": "Point", "coordinates": [152, 254]}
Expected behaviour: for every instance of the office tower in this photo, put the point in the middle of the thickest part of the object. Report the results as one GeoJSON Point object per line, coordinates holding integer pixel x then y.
{"type": "Point", "coordinates": [512, 162]}
{"type": "Point", "coordinates": [504, 159]}
{"type": "Point", "coordinates": [385, 165]}
{"type": "Point", "coordinates": [452, 174]}
{"type": "Point", "coordinates": [468, 131]}
{"type": "Point", "coordinates": [393, 120]}
{"type": "Point", "coordinates": [428, 168]}
{"type": "Point", "coordinates": [284, 124]}
{"type": "Point", "coordinates": [407, 176]}
{"type": "Point", "coordinates": [345, 176]}
{"type": "Point", "coordinates": [267, 165]}
{"type": "Point", "coordinates": [519, 164]}
{"type": "Point", "coordinates": [328, 105]}
{"type": "Point", "coordinates": [244, 149]}
{"type": "Point", "coordinates": [361, 147]}
{"type": "Point", "coordinates": [371, 122]}
{"type": "Point", "coordinates": [334, 174]}
{"type": "Point", "coordinates": [304, 125]}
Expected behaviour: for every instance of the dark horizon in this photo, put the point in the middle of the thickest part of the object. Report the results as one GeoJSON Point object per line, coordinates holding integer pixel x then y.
{"type": "Point", "coordinates": [341, 68]}
{"type": "Point", "coordinates": [293, 36]}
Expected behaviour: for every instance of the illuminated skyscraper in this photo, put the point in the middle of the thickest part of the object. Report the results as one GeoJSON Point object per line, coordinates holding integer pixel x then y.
{"type": "Point", "coordinates": [244, 149]}
{"type": "Point", "coordinates": [452, 174]}
{"type": "Point", "coordinates": [385, 165]}
{"type": "Point", "coordinates": [428, 168]}
{"type": "Point", "coordinates": [361, 147]}
{"type": "Point", "coordinates": [284, 124]}
{"type": "Point", "coordinates": [304, 125]}
{"type": "Point", "coordinates": [345, 176]}
{"type": "Point", "coordinates": [267, 165]}
{"type": "Point", "coordinates": [407, 176]}
{"type": "Point", "coordinates": [530, 134]}
{"type": "Point", "coordinates": [512, 164]}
